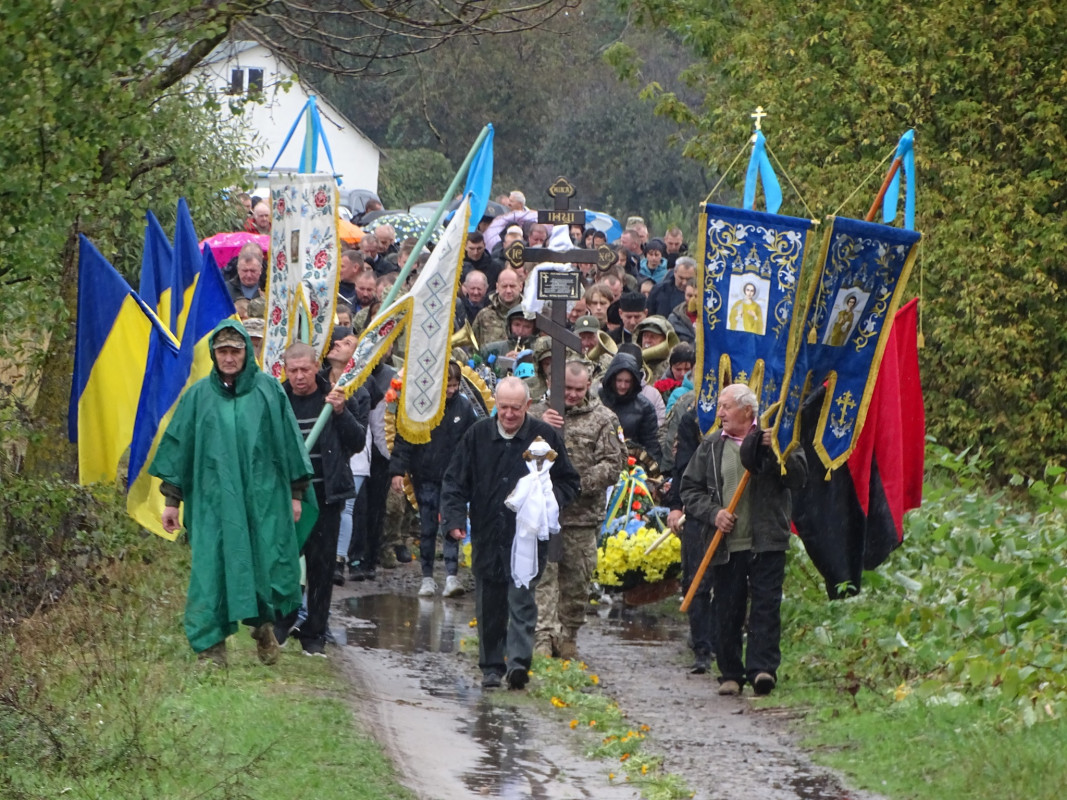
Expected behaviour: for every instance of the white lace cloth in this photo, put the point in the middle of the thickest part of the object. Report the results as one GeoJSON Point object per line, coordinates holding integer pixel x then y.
{"type": "Point", "coordinates": [536, 512]}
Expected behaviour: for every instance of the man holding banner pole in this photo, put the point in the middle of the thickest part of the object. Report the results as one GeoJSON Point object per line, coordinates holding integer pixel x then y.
{"type": "Point", "coordinates": [749, 569]}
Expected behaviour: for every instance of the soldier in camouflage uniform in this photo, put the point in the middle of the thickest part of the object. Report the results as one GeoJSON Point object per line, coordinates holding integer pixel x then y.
{"type": "Point", "coordinates": [491, 323]}
{"type": "Point", "coordinates": [594, 442]}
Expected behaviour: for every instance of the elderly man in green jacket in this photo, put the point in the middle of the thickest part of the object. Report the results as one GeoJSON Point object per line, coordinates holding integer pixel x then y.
{"type": "Point", "coordinates": [233, 456]}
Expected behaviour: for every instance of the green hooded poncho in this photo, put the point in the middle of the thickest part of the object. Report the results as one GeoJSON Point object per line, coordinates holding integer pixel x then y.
{"type": "Point", "coordinates": [234, 452]}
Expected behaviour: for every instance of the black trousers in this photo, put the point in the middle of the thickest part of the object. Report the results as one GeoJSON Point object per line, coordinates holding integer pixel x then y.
{"type": "Point", "coordinates": [703, 634]}
{"type": "Point", "coordinates": [320, 554]}
{"type": "Point", "coordinates": [753, 582]}
{"type": "Point", "coordinates": [377, 487]}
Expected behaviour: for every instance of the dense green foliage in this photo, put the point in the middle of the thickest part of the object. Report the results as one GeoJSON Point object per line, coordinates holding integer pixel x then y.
{"type": "Point", "coordinates": [961, 630]}
{"type": "Point", "coordinates": [983, 85]}
{"type": "Point", "coordinates": [96, 128]}
{"type": "Point", "coordinates": [408, 177]}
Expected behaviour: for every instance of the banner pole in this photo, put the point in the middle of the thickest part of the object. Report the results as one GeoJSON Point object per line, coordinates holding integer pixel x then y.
{"type": "Point", "coordinates": [320, 423]}
{"type": "Point", "coordinates": [440, 212]}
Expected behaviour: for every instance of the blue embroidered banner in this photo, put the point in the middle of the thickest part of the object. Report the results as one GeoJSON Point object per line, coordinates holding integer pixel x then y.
{"type": "Point", "coordinates": [749, 276]}
{"type": "Point", "coordinates": [863, 269]}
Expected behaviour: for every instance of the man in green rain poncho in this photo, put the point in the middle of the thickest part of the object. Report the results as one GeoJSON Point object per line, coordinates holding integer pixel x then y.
{"type": "Point", "coordinates": [233, 455]}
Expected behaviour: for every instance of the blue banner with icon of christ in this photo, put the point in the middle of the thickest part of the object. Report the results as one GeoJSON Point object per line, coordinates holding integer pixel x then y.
{"type": "Point", "coordinates": [749, 277]}
{"type": "Point", "coordinates": [862, 271]}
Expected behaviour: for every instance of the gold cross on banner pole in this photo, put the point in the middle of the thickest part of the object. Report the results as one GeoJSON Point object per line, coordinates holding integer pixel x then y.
{"type": "Point", "coordinates": [758, 116]}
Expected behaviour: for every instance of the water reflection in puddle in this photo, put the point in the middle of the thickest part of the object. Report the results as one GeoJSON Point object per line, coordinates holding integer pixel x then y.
{"type": "Point", "coordinates": [407, 624]}
{"type": "Point", "coordinates": [490, 742]}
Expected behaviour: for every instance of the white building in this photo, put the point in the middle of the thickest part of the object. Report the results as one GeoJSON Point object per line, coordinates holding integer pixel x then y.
{"type": "Point", "coordinates": [240, 68]}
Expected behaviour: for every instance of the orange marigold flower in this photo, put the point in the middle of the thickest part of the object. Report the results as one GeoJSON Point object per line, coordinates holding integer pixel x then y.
{"type": "Point", "coordinates": [624, 756]}
{"type": "Point", "coordinates": [574, 724]}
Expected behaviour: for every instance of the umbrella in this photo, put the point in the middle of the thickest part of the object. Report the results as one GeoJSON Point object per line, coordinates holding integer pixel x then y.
{"type": "Point", "coordinates": [603, 222]}
{"type": "Point", "coordinates": [406, 225]}
{"type": "Point", "coordinates": [226, 246]}
{"type": "Point", "coordinates": [348, 232]}
{"type": "Point", "coordinates": [495, 232]}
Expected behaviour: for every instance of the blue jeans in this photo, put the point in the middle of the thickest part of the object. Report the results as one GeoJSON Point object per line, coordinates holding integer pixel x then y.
{"type": "Point", "coordinates": [344, 537]}
{"type": "Point", "coordinates": [428, 496]}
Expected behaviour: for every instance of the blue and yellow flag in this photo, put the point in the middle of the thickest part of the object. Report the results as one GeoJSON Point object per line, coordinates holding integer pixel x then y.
{"type": "Point", "coordinates": [157, 264]}
{"type": "Point", "coordinates": [750, 276]}
{"type": "Point", "coordinates": [863, 269]}
{"type": "Point", "coordinates": [167, 376]}
{"type": "Point", "coordinates": [110, 355]}
{"type": "Point", "coordinates": [186, 267]}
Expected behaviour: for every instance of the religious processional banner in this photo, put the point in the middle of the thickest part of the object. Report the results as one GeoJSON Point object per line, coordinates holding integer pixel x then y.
{"type": "Point", "coordinates": [864, 267]}
{"type": "Point", "coordinates": [750, 275]}
{"type": "Point", "coordinates": [426, 312]}
{"type": "Point", "coordinates": [304, 261]}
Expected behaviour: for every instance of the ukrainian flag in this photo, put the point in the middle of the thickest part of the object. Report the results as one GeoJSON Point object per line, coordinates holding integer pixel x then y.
{"type": "Point", "coordinates": [157, 266]}
{"type": "Point", "coordinates": [168, 374]}
{"type": "Point", "coordinates": [186, 267]}
{"type": "Point", "coordinates": [111, 352]}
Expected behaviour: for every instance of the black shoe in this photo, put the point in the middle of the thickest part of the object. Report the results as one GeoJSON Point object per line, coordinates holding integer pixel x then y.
{"type": "Point", "coordinates": [518, 678]}
{"type": "Point", "coordinates": [491, 680]}
{"type": "Point", "coordinates": [339, 573]}
{"type": "Point", "coordinates": [763, 684]}
{"type": "Point", "coordinates": [281, 633]}
{"type": "Point", "coordinates": [701, 665]}
{"type": "Point", "coordinates": [403, 555]}
{"type": "Point", "coordinates": [356, 572]}
{"type": "Point", "coordinates": [314, 647]}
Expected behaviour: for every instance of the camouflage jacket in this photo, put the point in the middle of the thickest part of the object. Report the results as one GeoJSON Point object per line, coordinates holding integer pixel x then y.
{"type": "Point", "coordinates": [593, 437]}
{"type": "Point", "coordinates": [491, 323]}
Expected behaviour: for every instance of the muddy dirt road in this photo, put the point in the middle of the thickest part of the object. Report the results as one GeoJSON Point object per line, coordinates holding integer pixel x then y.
{"type": "Point", "coordinates": [418, 691]}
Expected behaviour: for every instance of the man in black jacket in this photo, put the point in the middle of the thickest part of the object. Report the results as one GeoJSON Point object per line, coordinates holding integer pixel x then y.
{"type": "Point", "coordinates": [308, 394]}
{"type": "Point", "coordinates": [748, 569]}
{"type": "Point", "coordinates": [484, 470]}
{"type": "Point", "coordinates": [425, 464]}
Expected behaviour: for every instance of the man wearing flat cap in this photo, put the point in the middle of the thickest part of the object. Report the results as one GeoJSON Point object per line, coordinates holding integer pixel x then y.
{"type": "Point", "coordinates": [233, 456]}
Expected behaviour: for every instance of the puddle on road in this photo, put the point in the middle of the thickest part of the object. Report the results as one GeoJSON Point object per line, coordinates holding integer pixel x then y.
{"type": "Point", "coordinates": [408, 624]}
{"type": "Point", "coordinates": [439, 721]}
{"type": "Point", "coordinates": [641, 626]}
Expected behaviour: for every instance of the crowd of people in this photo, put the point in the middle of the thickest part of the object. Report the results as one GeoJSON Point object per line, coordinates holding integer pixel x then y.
{"type": "Point", "coordinates": [627, 396]}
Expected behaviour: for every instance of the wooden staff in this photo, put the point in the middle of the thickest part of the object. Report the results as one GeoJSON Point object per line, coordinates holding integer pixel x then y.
{"type": "Point", "coordinates": [885, 187]}
{"type": "Point", "coordinates": [716, 539]}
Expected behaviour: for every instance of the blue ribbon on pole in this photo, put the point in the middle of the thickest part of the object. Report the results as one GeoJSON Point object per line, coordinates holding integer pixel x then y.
{"type": "Point", "coordinates": [906, 154]}
{"type": "Point", "coordinates": [759, 164]}
{"type": "Point", "coordinates": [316, 132]}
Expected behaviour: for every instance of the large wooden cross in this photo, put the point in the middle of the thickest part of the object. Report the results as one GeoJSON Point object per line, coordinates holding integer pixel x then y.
{"type": "Point", "coordinates": [559, 287]}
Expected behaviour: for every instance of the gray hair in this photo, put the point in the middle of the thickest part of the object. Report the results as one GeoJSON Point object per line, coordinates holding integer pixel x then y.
{"type": "Point", "coordinates": [510, 381]}
{"type": "Point", "coordinates": [743, 396]}
{"type": "Point", "coordinates": [685, 261]}
{"type": "Point", "coordinates": [299, 350]}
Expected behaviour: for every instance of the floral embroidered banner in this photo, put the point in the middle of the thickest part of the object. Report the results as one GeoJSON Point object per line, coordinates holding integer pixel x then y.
{"type": "Point", "coordinates": [304, 264]}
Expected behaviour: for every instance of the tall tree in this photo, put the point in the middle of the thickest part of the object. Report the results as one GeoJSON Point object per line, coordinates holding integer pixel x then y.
{"type": "Point", "coordinates": [983, 86]}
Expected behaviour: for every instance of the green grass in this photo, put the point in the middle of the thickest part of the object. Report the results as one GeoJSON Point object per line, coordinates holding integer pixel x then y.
{"type": "Point", "coordinates": [102, 698]}
{"type": "Point", "coordinates": [947, 676]}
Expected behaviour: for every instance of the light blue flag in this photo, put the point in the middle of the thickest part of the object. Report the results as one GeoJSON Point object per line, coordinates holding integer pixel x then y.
{"type": "Point", "coordinates": [480, 180]}
{"type": "Point", "coordinates": [906, 154]}
{"type": "Point", "coordinates": [759, 164]}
